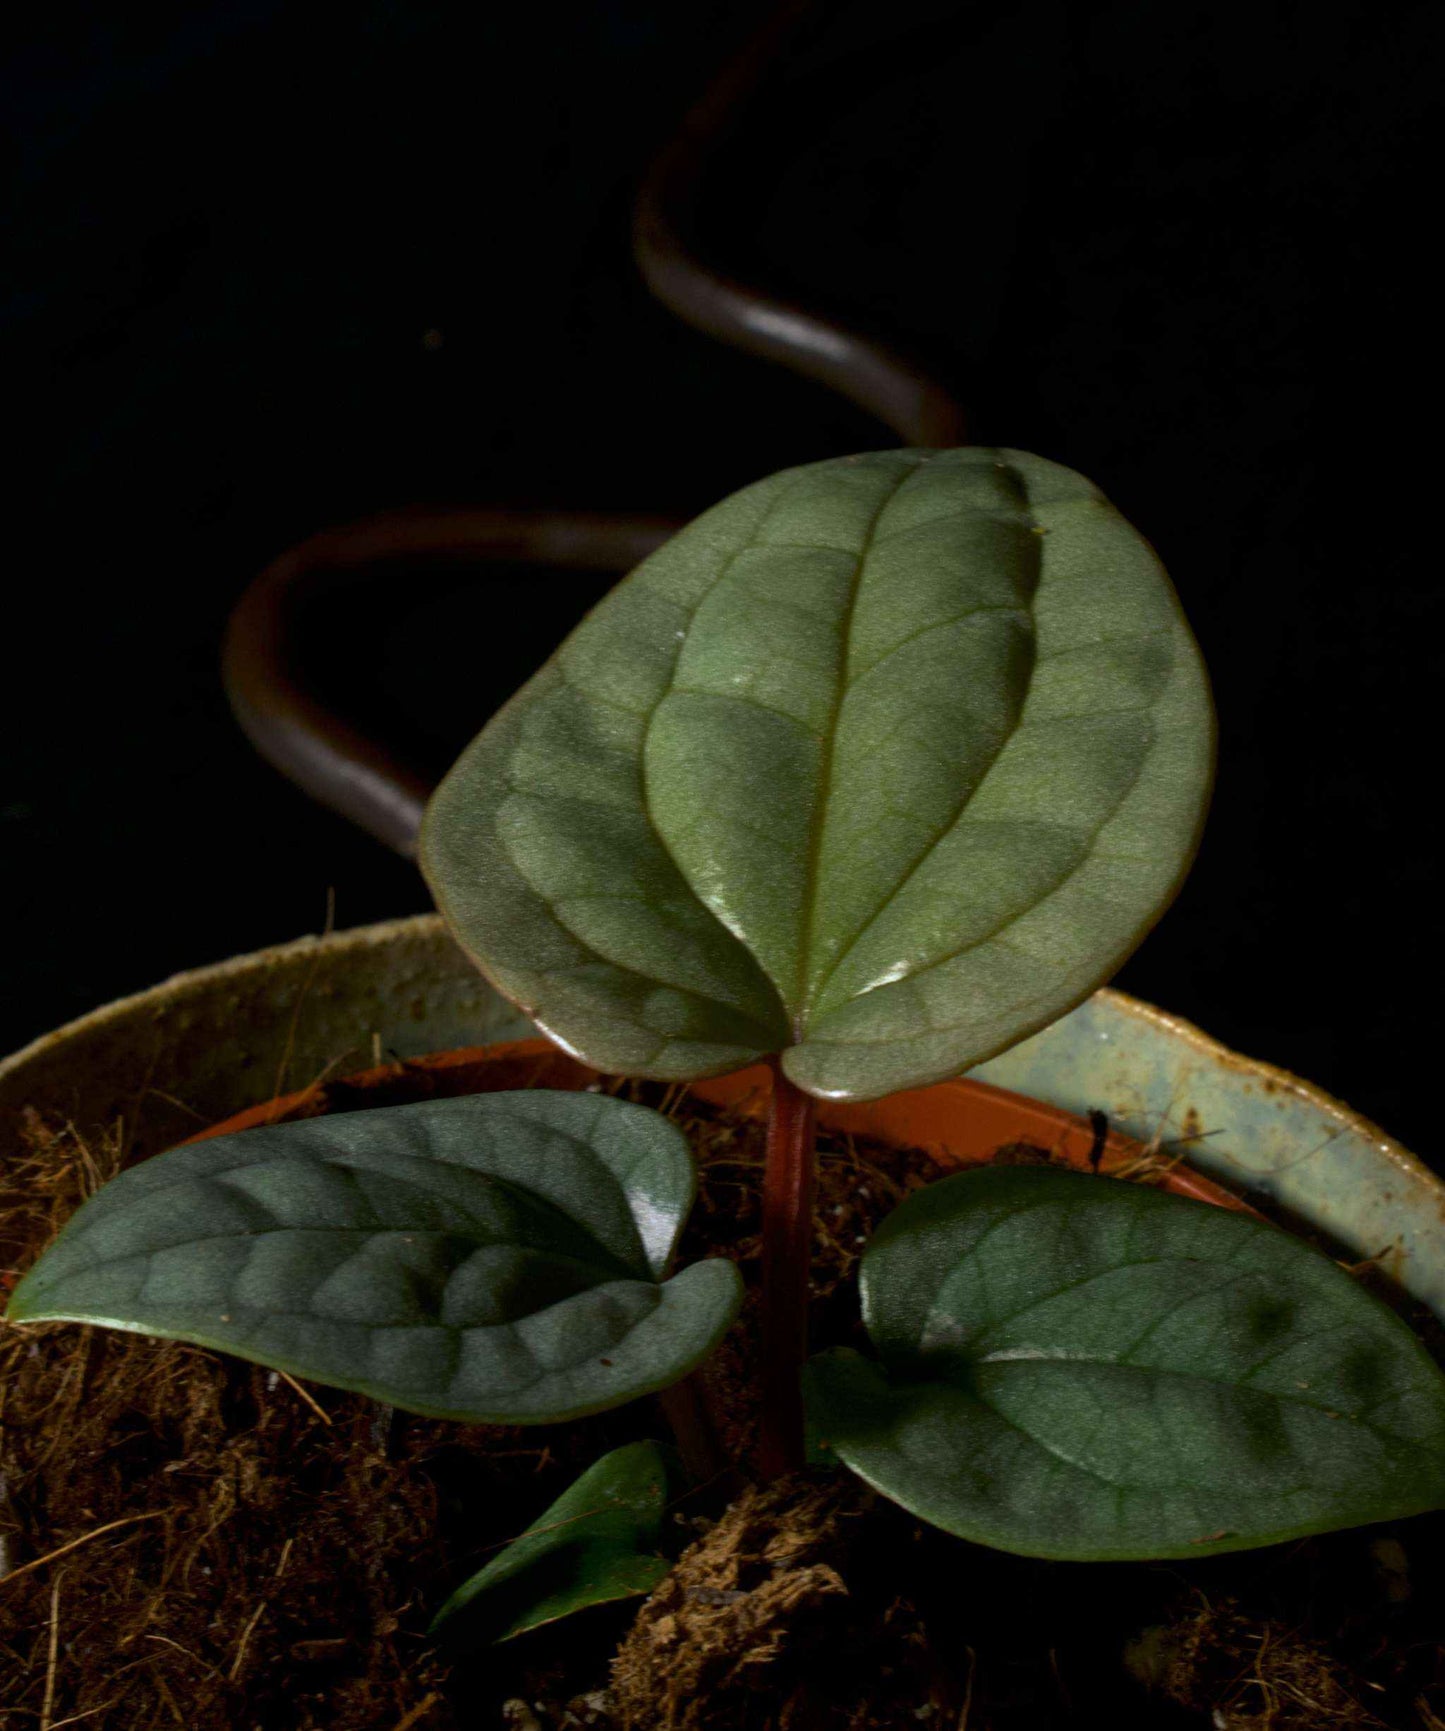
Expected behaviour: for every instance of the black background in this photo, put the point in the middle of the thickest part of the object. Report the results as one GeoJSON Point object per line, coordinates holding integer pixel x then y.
{"type": "Point", "coordinates": [1186, 248]}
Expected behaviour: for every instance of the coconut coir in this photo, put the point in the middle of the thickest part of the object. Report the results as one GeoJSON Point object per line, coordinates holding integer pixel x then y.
{"type": "Point", "coordinates": [192, 1540]}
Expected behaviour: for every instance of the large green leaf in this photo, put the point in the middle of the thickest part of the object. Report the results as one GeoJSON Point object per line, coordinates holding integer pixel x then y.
{"type": "Point", "coordinates": [1076, 1367]}
{"type": "Point", "coordinates": [597, 1543]}
{"type": "Point", "coordinates": [883, 762]}
{"type": "Point", "coordinates": [501, 1257]}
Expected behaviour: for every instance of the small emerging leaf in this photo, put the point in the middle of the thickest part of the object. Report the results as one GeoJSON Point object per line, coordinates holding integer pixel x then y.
{"type": "Point", "coordinates": [500, 1257]}
{"type": "Point", "coordinates": [882, 764]}
{"type": "Point", "coordinates": [1080, 1368]}
{"type": "Point", "coordinates": [597, 1542]}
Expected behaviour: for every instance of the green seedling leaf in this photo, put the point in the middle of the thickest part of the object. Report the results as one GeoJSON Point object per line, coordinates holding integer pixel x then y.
{"type": "Point", "coordinates": [1080, 1368]}
{"type": "Point", "coordinates": [498, 1258]}
{"type": "Point", "coordinates": [597, 1542]}
{"type": "Point", "coordinates": [882, 763]}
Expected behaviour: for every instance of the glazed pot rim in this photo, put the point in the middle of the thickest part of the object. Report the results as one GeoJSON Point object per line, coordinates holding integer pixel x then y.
{"type": "Point", "coordinates": [191, 1050]}
{"type": "Point", "coordinates": [961, 1122]}
{"type": "Point", "coordinates": [379, 933]}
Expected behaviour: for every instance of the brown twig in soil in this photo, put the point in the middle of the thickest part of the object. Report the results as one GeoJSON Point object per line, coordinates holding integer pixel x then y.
{"type": "Point", "coordinates": [47, 1705]}
{"type": "Point", "coordinates": [542, 1457]}
{"type": "Point", "coordinates": [865, 1168]}
{"type": "Point", "coordinates": [965, 1712]}
{"type": "Point", "coordinates": [310, 1400]}
{"type": "Point", "coordinates": [169, 1700]}
{"type": "Point", "coordinates": [244, 1642]}
{"type": "Point", "coordinates": [213, 1525]}
{"type": "Point", "coordinates": [255, 1617]}
{"type": "Point", "coordinates": [195, 1658]}
{"type": "Point", "coordinates": [414, 1714]}
{"type": "Point", "coordinates": [84, 1539]}
{"type": "Point", "coordinates": [72, 1386]}
{"type": "Point", "coordinates": [75, 1718]}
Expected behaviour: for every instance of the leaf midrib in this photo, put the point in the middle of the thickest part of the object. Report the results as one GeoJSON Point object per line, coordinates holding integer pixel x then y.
{"type": "Point", "coordinates": [336, 1159]}
{"type": "Point", "coordinates": [607, 1274]}
{"type": "Point", "coordinates": [1088, 1472]}
{"type": "Point", "coordinates": [828, 746]}
{"type": "Point", "coordinates": [916, 1380]}
{"type": "Point", "coordinates": [992, 936]}
{"type": "Point", "coordinates": [959, 808]}
{"type": "Point", "coordinates": [807, 1001]}
{"type": "Point", "coordinates": [918, 1358]}
{"type": "Point", "coordinates": [373, 1388]}
{"type": "Point", "coordinates": [827, 743]}
{"type": "Point", "coordinates": [647, 716]}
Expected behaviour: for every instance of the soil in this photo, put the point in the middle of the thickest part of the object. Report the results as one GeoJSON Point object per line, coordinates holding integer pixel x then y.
{"type": "Point", "coordinates": [187, 1539]}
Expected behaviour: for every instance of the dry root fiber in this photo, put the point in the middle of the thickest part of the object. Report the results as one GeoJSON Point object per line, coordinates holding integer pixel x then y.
{"type": "Point", "coordinates": [756, 1626]}
{"type": "Point", "coordinates": [189, 1540]}
{"type": "Point", "coordinates": [1241, 1674]}
{"type": "Point", "coordinates": [736, 1602]}
{"type": "Point", "coordinates": [208, 1543]}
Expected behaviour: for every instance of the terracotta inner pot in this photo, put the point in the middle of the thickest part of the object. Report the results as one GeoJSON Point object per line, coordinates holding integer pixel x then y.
{"type": "Point", "coordinates": [959, 1124]}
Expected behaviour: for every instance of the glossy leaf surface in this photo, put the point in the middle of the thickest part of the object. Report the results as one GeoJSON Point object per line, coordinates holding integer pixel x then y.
{"type": "Point", "coordinates": [882, 763]}
{"type": "Point", "coordinates": [499, 1257]}
{"type": "Point", "coordinates": [1082, 1368]}
{"type": "Point", "coordinates": [597, 1542]}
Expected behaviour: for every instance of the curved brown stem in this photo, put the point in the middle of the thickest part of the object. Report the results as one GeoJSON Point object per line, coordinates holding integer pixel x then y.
{"type": "Point", "coordinates": [789, 1184]}
{"type": "Point", "coordinates": [874, 374]}
{"type": "Point", "coordinates": [277, 701]}
{"type": "Point", "coordinates": [274, 697]}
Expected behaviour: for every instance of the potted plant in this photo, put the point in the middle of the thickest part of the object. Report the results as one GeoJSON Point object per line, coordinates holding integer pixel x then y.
{"type": "Point", "coordinates": [878, 768]}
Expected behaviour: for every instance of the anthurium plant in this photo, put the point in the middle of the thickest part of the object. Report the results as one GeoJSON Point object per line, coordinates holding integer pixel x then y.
{"type": "Point", "coordinates": [880, 766]}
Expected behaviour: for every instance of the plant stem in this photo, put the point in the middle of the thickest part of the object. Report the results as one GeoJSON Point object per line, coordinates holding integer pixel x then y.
{"type": "Point", "coordinates": [789, 1183]}
{"type": "Point", "coordinates": [685, 1406]}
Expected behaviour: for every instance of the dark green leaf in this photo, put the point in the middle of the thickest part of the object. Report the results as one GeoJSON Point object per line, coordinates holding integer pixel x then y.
{"type": "Point", "coordinates": [1077, 1367]}
{"type": "Point", "coordinates": [884, 762]}
{"type": "Point", "coordinates": [500, 1257]}
{"type": "Point", "coordinates": [597, 1542]}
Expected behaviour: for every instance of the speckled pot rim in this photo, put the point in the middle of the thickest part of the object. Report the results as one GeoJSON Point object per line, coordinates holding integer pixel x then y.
{"type": "Point", "coordinates": [207, 1043]}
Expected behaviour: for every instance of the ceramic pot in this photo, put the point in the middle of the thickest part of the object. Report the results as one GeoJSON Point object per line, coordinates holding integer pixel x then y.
{"type": "Point", "coordinates": [960, 1123]}
{"type": "Point", "coordinates": [206, 1045]}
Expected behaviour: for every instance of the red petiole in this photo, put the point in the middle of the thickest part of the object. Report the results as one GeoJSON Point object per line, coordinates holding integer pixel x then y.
{"type": "Point", "coordinates": [789, 1184]}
